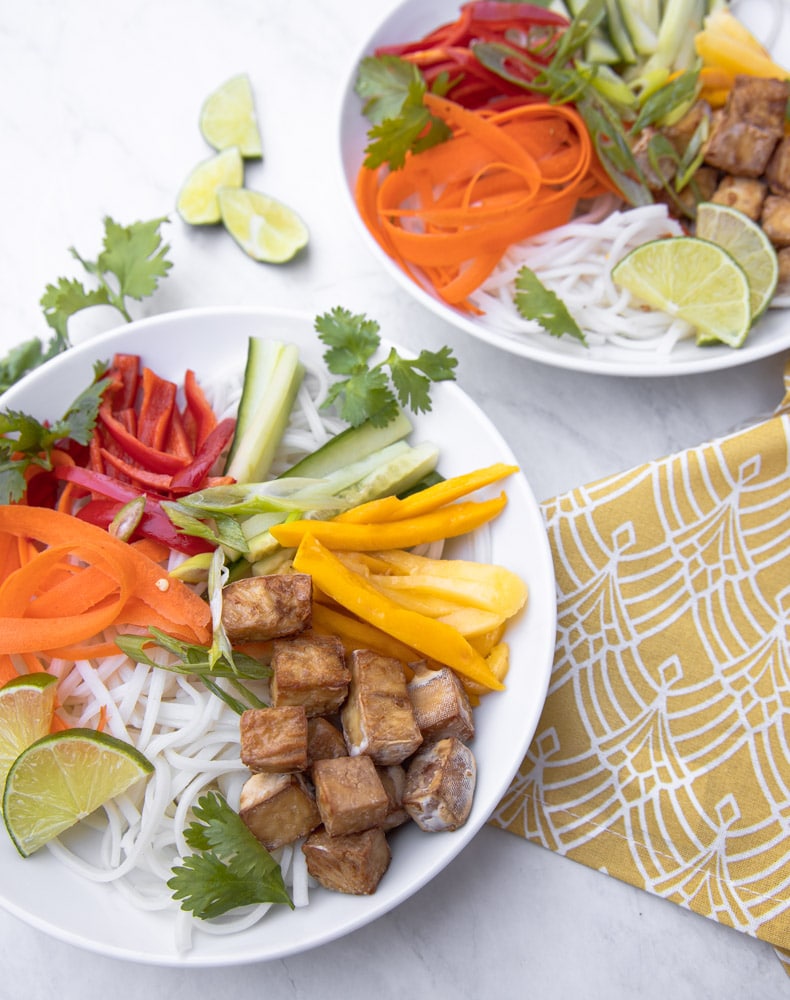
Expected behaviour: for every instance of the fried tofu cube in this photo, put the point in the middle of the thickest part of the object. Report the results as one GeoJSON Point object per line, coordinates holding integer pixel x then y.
{"type": "Point", "coordinates": [783, 285]}
{"type": "Point", "coordinates": [349, 794]}
{"type": "Point", "coordinates": [324, 740]}
{"type": "Point", "coordinates": [354, 863]}
{"type": "Point", "coordinates": [378, 718]}
{"type": "Point", "coordinates": [259, 608]}
{"type": "Point", "coordinates": [746, 194]}
{"type": "Point", "coordinates": [745, 135]}
{"type": "Point", "coordinates": [278, 808]}
{"type": "Point", "coordinates": [393, 778]}
{"type": "Point", "coordinates": [309, 670]}
{"type": "Point", "coordinates": [274, 739]}
{"type": "Point", "coordinates": [440, 785]}
{"type": "Point", "coordinates": [441, 704]}
{"type": "Point", "coordinates": [775, 220]}
{"type": "Point", "coordinates": [777, 173]}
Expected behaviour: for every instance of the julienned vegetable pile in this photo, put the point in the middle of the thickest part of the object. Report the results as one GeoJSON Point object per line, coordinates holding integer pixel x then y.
{"type": "Point", "coordinates": [135, 530]}
{"type": "Point", "coordinates": [511, 121]}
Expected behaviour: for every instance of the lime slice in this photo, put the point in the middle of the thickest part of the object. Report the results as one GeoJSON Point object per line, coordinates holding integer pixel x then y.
{"type": "Point", "coordinates": [748, 244]}
{"type": "Point", "coordinates": [691, 279]}
{"type": "Point", "coordinates": [27, 704]}
{"type": "Point", "coordinates": [227, 118]}
{"type": "Point", "coordinates": [197, 201]}
{"type": "Point", "coordinates": [262, 226]}
{"type": "Point", "coordinates": [62, 778]}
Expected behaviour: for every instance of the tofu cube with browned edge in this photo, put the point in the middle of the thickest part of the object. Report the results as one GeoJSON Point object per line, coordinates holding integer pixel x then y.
{"type": "Point", "coordinates": [776, 220]}
{"type": "Point", "coordinates": [440, 785]}
{"type": "Point", "coordinates": [745, 135]}
{"type": "Point", "coordinates": [778, 171]}
{"type": "Point", "coordinates": [274, 739]}
{"type": "Point", "coordinates": [278, 808]}
{"type": "Point", "coordinates": [309, 670]}
{"type": "Point", "coordinates": [378, 718]}
{"type": "Point", "coordinates": [349, 794]}
{"type": "Point", "coordinates": [354, 863]}
{"type": "Point", "coordinates": [260, 608]}
{"type": "Point", "coordinates": [441, 704]}
{"type": "Point", "coordinates": [746, 194]}
{"type": "Point", "coordinates": [393, 778]}
{"type": "Point", "coordinates": [324, 740]}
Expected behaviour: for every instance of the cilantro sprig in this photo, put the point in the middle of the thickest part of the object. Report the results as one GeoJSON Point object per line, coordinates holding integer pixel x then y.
{"type": "Point", "coordinates": [230, 866]}
{"type": "Point", "coordinates": [376, 392]}
{"type": "Point", "coordinates": [132, 261]}
{"type": "Point", "coordinates": [24, 441]}
{"type": "Point", "coordinates": [534, 301]}
{"type": "Point", "coordinates": [392, 89]}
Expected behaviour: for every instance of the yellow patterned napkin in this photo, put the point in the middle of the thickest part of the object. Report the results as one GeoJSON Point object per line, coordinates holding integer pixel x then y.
{"type": "Point", "coordinates": [662, 756]}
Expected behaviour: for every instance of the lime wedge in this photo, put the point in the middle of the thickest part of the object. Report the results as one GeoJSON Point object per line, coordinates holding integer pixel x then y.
{"type": "Point", "coordinates": [748, 244]}
{"type": "Point", "coordinates": [263, 227]}
{"type": "Point", "coordinates": [27, 704]}
{"type": "Point", "coordinates": [62, 778]}
{"type": "Point", "coordinates": [691, 279]}
{"type": "Point", "coordinates": [228, 118]}
{"type": "Point", "coordinates": [197, 200]}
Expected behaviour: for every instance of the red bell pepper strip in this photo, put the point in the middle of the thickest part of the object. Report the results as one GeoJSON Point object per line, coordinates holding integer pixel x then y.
{"type": "Point", "coordinates": [205, 419]}
{"type": "Point", "coordinates": [147, 480]}
{"type": "Point", "coordinates": [178, 442]}
{"type": "Point", "coordinates": [156, 407]}
{"type": "Point", "coordinates": [125, 370]}
{"type": "Point", "coordinates": [189, 479]}
{"type": "Point", "coordinates": [149, 457]}
{"type": "Point", "coordinates": [153, 524]}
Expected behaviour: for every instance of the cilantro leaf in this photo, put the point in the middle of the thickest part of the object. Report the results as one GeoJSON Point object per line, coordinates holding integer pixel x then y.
{"type": "Point", "coordinates": [130, 265]}
{"type": "Point", "coordinates": [230, 868]}
{"type": "Point", "coordinates": [393, 89]}
{"type": "Point", "coordinates": [369, 391]}
{"type": "Point", "coordinates": [535, 301]}
{"type": "Point", "coordinates": [25, 441]}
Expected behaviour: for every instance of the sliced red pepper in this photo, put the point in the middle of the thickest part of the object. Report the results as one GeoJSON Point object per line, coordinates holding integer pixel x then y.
{"type": "Point", "coordinates": [156, 407]}
{"type": "Point", "coordinates": [104, 485]}
{"type": "Point", "coordinates": [154, 524]}
{"type": "Point", "coordinates": [204, 417]}
{"type": "Point", "coordinates": [178, 442]}
{"type": "Point", "coordinates": [194, 475]}
{"type": "Point", "coordinates": [126, 371]}
{"type": "Point", "coordinates": [160, 481]}
{"type": "Point", "coordinates": [147, 456]}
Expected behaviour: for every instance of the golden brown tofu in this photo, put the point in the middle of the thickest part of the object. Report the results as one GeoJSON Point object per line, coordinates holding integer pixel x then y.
{"type": "Point", "coordinates": [775, 220]}
{"type": "Point", "coordinates": [393, 778]}
{"type": "Point", "coordinates": [354, 863]}
{"type": "Point", "coordinates": [267, 607]}
{"type": "Point", "coordinates": [278, 808]}
{"type": "Point", "coordinates": [746, 134]}
{"type": "Point", "coordinates": [377, 717]}
{"type": "Point", "coordinates": [777, 173]}
{"type": "Point", "coordinates": [324, 741]}
{"type": "Point", "coordinates": [441, 705]}
{"type": "Point", "coordinates": [440, 785]}
{"type": "Point", "coordinates": [349, 794]}
{"type": "Point", "coordinates": [783, 285]}
{"type": "Point", "coordinates": [760, 101]}
{"type": "Point", "coordinates": [274, 739]}
{"type": "Point", "coordinates": [747, 194]}
{"type": "Point", "coordinates": [309, 670]}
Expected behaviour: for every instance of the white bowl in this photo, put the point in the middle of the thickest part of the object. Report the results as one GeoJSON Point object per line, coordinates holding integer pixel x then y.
{"type": "Point", "coordinates": [43, 893]}
{"type": "Point", "coordinates": [411, 20]}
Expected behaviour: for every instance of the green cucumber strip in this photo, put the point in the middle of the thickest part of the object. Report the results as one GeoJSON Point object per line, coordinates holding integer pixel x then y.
{"type": "Point", "coordinates": [272, 377]}
{"type": "Point", "coordinates": [349, 446]}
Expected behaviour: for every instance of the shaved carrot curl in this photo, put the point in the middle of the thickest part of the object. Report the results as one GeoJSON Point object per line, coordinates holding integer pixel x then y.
{"type": "Point", "coordinates": [450, 213]}
{"type": "Point", "coordinates": [78, 580]}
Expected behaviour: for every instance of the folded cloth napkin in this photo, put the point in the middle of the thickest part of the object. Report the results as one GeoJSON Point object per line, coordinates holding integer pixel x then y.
{"type": "Point", "coordinates": [662, 756]}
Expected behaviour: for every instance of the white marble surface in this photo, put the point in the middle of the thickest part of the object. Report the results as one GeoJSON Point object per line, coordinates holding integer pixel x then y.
{"type": "Point", "coordinates": [99, 116]}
